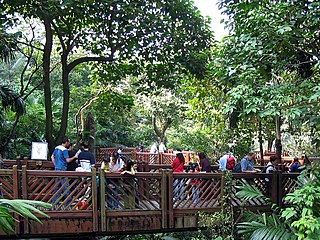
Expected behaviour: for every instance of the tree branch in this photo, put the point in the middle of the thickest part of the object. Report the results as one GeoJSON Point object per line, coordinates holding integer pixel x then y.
{"type": "Point", "coordinates": [88, 59]}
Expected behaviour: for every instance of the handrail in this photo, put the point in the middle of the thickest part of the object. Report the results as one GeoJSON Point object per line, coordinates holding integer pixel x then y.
{"type": "Point", "coordinates": [108, 203]}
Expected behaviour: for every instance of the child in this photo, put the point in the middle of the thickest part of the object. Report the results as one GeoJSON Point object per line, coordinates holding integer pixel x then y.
{"type": "Point", "coordinates": [105, 165]}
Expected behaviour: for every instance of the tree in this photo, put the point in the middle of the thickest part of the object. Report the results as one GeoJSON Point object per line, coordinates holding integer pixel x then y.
{"type": "Point", "coordinates": [271, 63]}
{"type": "Point", "coordinates": [109, 32]}
{"type": "Point", "coordinates": [164, 107]}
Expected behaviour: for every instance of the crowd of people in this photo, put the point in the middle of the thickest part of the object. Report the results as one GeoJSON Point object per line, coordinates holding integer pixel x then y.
{"type": "Point", "coordinates": [65, 158]}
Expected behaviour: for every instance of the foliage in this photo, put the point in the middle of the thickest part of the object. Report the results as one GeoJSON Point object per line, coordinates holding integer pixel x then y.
{"type": "Point", "coordinates": [139, 33]}
{"type": "Point", "coordinates": [299, 219]}
{"type": "Point", "coordinates": [304, 210]}
{"type": "Point", "coordinates": [11, 99]}
{"type": "Point", "coordinates": [261, 225]}
{"type": "Point", "coordinates": [274, 67]}
{"type": "Point", "coordinates": [164, 107]}
{"type": "Point", "coordinates": [11, 103]}
{"type": "Point", "coordinates": [262, 71]}
{"type": "Point", "coordinates": [8, 44]}
{"type": "Point", "coordinates": [265, 227]}
{"type": "Point", "coordinates": [24, 208]}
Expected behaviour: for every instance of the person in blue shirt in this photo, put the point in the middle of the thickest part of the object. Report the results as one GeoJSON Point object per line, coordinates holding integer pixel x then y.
{"type": "Point", "coordinates": [60, 158]}
{"type": "Point", "coordinates": [296, 166]}
{"type": "Point", "coordinates": [247, 164]}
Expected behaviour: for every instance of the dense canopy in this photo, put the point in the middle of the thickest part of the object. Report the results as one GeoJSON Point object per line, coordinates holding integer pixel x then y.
{"type": "Point", "coordinates": [145, 71]}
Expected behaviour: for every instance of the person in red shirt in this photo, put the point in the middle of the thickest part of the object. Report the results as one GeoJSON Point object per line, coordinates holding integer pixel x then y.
{"type": "Point", "coordinates": [178, 166]}
{"type": "Point", "coordinates": [178, 162]}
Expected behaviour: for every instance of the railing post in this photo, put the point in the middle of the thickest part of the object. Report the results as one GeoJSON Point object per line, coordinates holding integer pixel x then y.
{"type": "Point", "coordinates": [160, 158]}
{"type": "Point", "coordinates": [18, 162]}
{"type": "Point", "coordinates": [15, 183]}
{"type": "Point", "coordinates": [24, 185]}
{"type": "Point", "coordinates": [274, 186]}
{"type": "Point", "coordinates": [103, 218]}
{"type": "Point", "coordinates": [170, 198]}
{"type": "Point", "coordinates": [187, 157]}
{"type": "Point", "coordinates": [95, 200]}
{"type": "Point", "coordinates": [25, 161]}
{"type": "Point", "coordinates": [280, 188]}
{"type": "Point", "coordinates": [16, 195]}
{"type": "Point", "coordinates": [164, 199]}
{"type": "Point", "coordinates": [134, 155]}
{"type": "Point", "coordinates": [222, 187]}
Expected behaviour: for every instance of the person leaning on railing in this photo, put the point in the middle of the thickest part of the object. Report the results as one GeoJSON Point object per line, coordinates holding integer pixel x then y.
{"type": "Point", "coordinates": [178, 167]}
{"type": "Point", "coordinates": [60, 158]}
{"type": "Point", "coordinates": [247, 164]}
{"type": "Point", "coordinates": [204, 164]}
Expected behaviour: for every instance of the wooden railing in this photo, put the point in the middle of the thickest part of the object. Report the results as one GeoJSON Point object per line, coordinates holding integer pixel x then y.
{"type": "Point", "coordinates": [111, 203]}
{"type": "Point", "coordinates": [147, 157]}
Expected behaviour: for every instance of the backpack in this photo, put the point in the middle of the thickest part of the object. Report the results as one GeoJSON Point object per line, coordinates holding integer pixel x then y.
{"type": "Point", "coordinates": [231, 162]}
{"type": "Point", "coordinates": [237, 168]}
{"type": "Point", "coordinates": [264, 170]}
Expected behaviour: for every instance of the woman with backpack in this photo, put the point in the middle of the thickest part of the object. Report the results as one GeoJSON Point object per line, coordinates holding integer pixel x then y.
{"type": "Point", "coordinates": [271, 166]}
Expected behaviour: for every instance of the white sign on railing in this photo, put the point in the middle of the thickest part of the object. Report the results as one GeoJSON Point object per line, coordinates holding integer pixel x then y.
{"type": "Point", "coordinates": [39, 150]}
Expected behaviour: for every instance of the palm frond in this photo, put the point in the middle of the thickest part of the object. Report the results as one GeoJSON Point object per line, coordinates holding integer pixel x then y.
{"type": "Point", "coordinates": [8, 46]}
{"type": "Point", "coordinates": [10, 99]}
{"type": "Point", "coordinates": [248, 192]}
{"type": "Point", "coordinates": [25, 208]}
{"type": "Point", "coordinates": [266, 227]}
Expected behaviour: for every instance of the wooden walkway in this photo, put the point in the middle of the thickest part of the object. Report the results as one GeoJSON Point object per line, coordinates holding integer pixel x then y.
{"type": "Point", "coordinates": [115, 204]}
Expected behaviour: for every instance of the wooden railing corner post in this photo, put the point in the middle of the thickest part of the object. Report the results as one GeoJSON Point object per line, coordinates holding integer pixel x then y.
{"type": "Point", "coordinates": [164, 199]}
{"type": "Point", "coordinates": [169, 186]}
{"type": "Point", "coordinates": [222, 188]}
{"type": "Point", "coordinates": [95, 199]}
{"type": "Point", "coordinates": [18, 162]}
{"type": "Point", "coordinates": [24, 192]}
{"type": "Point", "coordinates": [274, 186]}
{"type": "Point", "coordinates": [16, 193]}
{"type": "Point", "coordinates": [280, 188]}
{"type": "Point", "coordinates": [103, 219]}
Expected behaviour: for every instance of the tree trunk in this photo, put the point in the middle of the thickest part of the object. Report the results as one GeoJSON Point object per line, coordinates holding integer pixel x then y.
{"type": "Point", "coordinates": [66, 97]}
{"type": "Point", "coordinates": [278, 139]}
{"type": "Point", "coordinates": [90, 131]}
{"type": "Point", "coordinates": [260, 143]}
{"type": "Point", "coordinates": [46, 83]}
{"type": "Point", "coordinates": [164, 126]}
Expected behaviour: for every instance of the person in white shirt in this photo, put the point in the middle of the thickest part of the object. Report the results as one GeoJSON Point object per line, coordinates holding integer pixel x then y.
{"type": "Point", "coordinates": [116, 165]}
{"type": "Point", "coordinates": [86, 159]}
{"type": "Point", "coordinates": [154, 148]}
{"type": "Point", "coordinates": [162, 147]}
{"type": "Point", "coordinates": [271, 166]}
{"type": "Point", "coordinates": [223, 161]}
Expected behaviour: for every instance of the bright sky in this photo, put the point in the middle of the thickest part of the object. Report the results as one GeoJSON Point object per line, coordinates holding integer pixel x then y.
{"type": "Point", "coordinates": [210, 8]}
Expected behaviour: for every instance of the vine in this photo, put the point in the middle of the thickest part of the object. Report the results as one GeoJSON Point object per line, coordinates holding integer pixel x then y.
{"type": "Point", "coordinates": [221, 224]}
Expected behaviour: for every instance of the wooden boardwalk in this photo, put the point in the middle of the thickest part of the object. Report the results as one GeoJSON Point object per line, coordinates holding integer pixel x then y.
{"type": "Point", "coordinates": [115, 204]}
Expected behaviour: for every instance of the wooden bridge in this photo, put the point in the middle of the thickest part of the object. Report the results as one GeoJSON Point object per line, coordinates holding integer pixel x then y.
{"type": "Point", "coordinates": [99, 203]}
